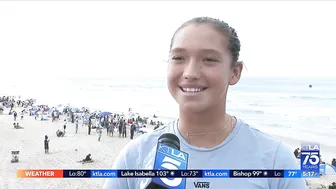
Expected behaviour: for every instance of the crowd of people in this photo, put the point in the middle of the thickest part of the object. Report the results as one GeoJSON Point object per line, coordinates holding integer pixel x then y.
{"type": "Point", "coordinates": [114, 124]}
{"type": "Point", "coordinates": [11, 101]}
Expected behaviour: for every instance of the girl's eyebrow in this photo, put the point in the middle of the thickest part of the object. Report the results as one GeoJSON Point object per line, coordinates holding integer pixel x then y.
{"type": "Point", "coordinates": [179, 50]}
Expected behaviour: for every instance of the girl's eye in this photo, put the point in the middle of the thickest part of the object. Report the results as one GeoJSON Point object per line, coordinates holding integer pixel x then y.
{"type": "Point", "coordinates": [178, 58]}
{"type": "Point", "coordinates": [210, 60]}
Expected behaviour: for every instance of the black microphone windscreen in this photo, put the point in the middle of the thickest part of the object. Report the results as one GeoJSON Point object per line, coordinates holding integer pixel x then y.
{"type": "Point", "coordinates": [170, 140]}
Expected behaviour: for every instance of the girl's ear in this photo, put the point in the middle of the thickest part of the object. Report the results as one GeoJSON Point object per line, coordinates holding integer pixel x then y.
{"type": "Point", "coordinates": [236, 72]}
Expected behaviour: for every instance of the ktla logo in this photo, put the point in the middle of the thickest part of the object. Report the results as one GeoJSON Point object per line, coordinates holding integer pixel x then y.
{"type": "Point", "coordinates": [310, 154]}
{"type": "Point", "coordinates": [171, 164]}
{"type": "Point", "coordinates": [173, 159]}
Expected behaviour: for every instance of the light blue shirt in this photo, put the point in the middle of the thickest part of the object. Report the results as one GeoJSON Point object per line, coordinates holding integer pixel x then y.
{"type": "Point", "coordinates": [245, 148]}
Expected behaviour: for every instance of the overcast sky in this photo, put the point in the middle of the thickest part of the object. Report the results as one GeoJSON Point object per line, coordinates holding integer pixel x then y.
{"type": "Point", "coordinates": [110, 38]}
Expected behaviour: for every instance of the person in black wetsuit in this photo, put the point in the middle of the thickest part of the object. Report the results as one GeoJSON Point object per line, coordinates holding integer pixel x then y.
{"type": "Point", "coordinates": [72, 117]}
{"type": "Point", "coordinates": [124, 129]}
{"type": "Point", "coordinates": [65, 125]}
{"type": "Point", "coordinates": [132, 130]}
{"type": "Point", "coordinates": [333, 162]}
{"type": "Point", "coordinates": [15, 115]}
{"type": "Point", "coordinates": [59, 133]}
{"type": "Point", "coordinates": [297, 153]}
{"type": "Point", "coordinates": [46, 144]}
{"type": "Point", "coordinates": [89, 129]}
{"type": "Point", "coordinates": [89, 126]}
{"type": "Point", "coordinates": [120, 127]}
{"type": "Point", "coordinates": [87, 158]}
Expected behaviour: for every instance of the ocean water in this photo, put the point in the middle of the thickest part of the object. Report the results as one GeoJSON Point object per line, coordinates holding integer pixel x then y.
{"type": "Point", "coordinates": [281, 106]}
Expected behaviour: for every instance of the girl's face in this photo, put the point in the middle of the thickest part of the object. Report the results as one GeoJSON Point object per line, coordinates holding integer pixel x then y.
{"type": "Point", "coordinates": [199, 70]}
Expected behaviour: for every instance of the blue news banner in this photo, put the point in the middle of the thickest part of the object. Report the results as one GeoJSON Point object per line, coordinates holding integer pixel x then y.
{"type": "Point", "coordinates": [104, 173]}
{"type": "Point", "coordinates": [310, 168]}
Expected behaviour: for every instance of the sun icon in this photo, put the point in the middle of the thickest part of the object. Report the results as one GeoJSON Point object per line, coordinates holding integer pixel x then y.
{"type": "Point", "coordinates": [172, 173]}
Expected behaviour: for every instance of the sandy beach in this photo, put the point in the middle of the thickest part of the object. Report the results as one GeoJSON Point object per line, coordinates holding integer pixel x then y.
{"type": "Point", "coordinates": [65, 152]}
{"type": "Point", "coordinates": [62, 155]}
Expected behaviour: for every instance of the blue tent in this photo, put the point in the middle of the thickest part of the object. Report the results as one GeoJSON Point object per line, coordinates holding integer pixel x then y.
{"type": "Point", "coordinates": [327, 169]}
{"type": "Point", "coordinates": [102, 114]}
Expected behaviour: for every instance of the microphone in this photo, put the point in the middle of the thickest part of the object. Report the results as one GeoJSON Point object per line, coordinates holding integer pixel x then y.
{"type": "Point", "coordinates": [169, 157]}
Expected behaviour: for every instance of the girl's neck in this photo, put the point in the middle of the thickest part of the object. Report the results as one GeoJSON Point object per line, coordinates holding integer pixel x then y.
{"type": "Point", "coordinates": [205, 121]}
{"type": "Point", "coordinates": [206, 129]}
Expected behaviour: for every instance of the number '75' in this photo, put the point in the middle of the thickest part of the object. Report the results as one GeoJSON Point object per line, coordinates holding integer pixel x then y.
{"type": "Point", "coordinates": [312, 157]}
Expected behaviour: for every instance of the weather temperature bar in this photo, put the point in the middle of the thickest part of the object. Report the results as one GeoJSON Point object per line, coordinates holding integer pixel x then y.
{"type": "Point", "coordinates": [106, 173]}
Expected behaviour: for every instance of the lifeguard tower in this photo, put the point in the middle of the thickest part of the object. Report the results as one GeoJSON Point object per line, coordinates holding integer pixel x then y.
{"type": "Point", "coordinates": [15, 156]}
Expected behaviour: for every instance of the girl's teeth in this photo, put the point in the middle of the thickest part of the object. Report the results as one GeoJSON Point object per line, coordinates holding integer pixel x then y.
{"type": "Point", "coordinates": [192, 90]}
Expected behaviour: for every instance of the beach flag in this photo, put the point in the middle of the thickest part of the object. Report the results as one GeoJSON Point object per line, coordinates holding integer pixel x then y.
{"type": "Point", "coordinates": [322, 169]}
